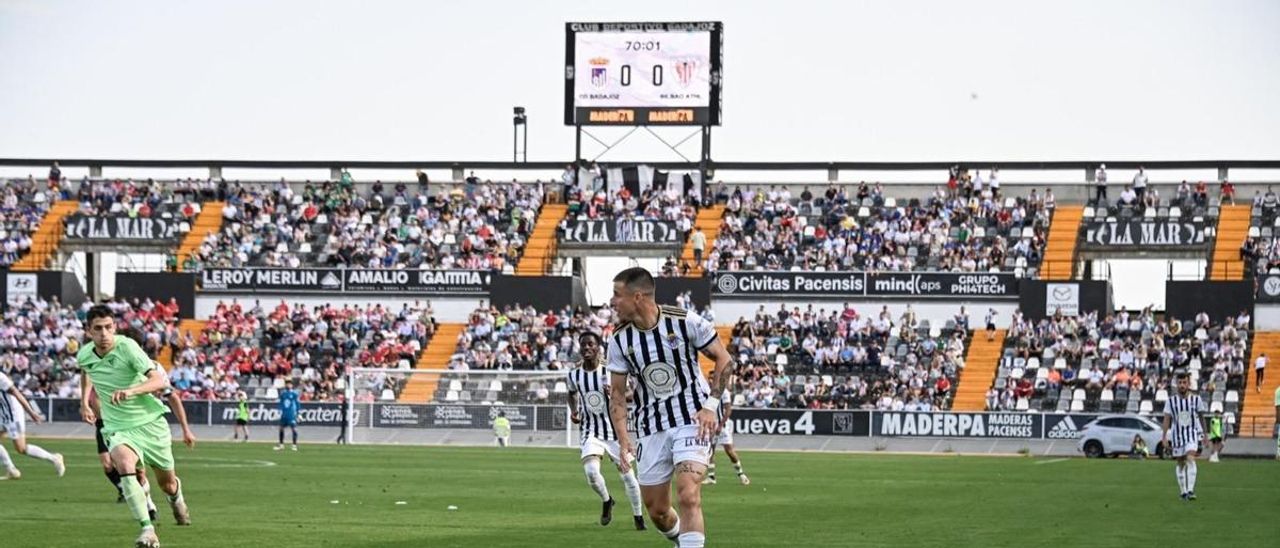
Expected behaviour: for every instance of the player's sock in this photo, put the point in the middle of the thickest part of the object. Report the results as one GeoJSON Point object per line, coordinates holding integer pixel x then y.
{"type": "Point", "coordinates": [692, 540]}
{"type": "Point", "coordinates": [1181, 473]}
{"type": "Point", "coordinates": [595, 479]}
{"type": "Point", "coordinates": [738, 466]}
{"type": "Point", "coordinates": [632, 487]}
{"type": "Point", "coordinates": [295, 437]}
{"type": "Point", "coordinates": [1191, 476]}
{"type": "Point", "coordinates": [35, 451]}
{"type": "Point", "coordinates": [176, 497]}
{"type": "Point", "coordinates": [5, 461]}
{"type": "Point", "coordinates": [674, 533]}
{"type": "Point", "coordinates": [281, 436]}
{"type": "Point", "coordinates": [114, 478]}
{"type": "Point", "coordinates": [136, 499]}
{"type": "Point", "coordinates": [711, 472]}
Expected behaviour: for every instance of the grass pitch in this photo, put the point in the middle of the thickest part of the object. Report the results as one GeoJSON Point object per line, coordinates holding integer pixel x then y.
{"type": "Point", "coordinates": [249, 495]}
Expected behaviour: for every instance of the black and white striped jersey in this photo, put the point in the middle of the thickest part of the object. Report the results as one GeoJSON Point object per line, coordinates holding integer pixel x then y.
{"type": "Point", "coordinates": [669, 387]}
{"type": "Point", "coordinates": [1184, 425]}
{"type": "Point", "coordinates": [7, 404]}
{"type": "Point", "coordinates": [592, 389]}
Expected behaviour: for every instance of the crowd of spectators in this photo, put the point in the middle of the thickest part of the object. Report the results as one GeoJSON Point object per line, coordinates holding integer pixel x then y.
{"type": "Point", "coordinates": [39, 340]}
{"type": "Point", "coordinates": [657, 204]}
{"type": "Point", "coordinates": [22, 207]}
{"type": "Point", "coordinates": [1139, 195]}
{"type": "Point", "coordinates": [1129, 356]}
{"type": "Point", "coordinates": [952, 230]}
{"type": "Point", "coordinates": [255, 350]}
{"type": "Point", "coordinates": [1261, 248]}
{"type": "Point", "coordinates": [148, 198]}
{"type": "Point", "coordinates": [481, 226]}
{"type": "Point", "coordinates": [843, 359]}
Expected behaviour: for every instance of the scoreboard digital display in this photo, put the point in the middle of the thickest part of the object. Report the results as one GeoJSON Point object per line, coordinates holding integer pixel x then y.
{"type": "Point", "coordinates": [637, 74]}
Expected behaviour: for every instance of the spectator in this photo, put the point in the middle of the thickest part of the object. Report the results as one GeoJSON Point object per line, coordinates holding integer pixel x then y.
{"type": "Point", "coordinates": [1100, 179]}
{"type": "Point", "coordinates": [1138, 449]}
{"type": "Point", "coordinates": [1260, 371]}
{"type": "Point", "coordinates": [1227, 191]}
{"type": "Point", "coordinates": [699, 242]}
{"type": "Point", "coordinates": [1140, 184]}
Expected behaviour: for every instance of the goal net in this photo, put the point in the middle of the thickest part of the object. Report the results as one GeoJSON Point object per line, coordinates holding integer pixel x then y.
{"type": "Point", "coordinates": [438, 406]}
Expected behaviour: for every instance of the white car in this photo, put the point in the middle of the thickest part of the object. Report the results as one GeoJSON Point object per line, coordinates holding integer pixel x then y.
{"type": "Point", "coordinates": [1113, 435]}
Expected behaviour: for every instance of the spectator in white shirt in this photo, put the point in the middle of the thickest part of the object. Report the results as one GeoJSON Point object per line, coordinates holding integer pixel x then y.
{"type": "Point", "coordinates": [1100, 179]}
{"type": "Point", "coordinates": [1128, 197]}
{"type": "Point", "coordinates": [1140, 183]}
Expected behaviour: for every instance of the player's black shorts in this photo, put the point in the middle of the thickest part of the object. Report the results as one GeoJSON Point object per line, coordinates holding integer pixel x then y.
{"type": "Point", "coordinates": [241, 422]}
{"type": "Point", "coordinates": [97, 432]}
{"type": "Point", "coordinates": [1215, 440]}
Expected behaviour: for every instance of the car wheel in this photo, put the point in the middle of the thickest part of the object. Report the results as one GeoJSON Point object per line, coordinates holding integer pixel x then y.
{"type": "Point", "coordinates": [1093, 449]}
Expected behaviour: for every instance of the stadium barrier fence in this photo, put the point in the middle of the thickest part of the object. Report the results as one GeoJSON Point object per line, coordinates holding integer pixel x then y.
{"type": "Point", "coordinates": [555, 418]}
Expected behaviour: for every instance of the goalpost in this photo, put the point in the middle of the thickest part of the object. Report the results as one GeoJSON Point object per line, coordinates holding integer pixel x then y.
{"type": "Point", "coordinates": [448, 406]}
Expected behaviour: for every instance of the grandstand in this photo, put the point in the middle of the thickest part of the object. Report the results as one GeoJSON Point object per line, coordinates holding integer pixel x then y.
{"type": "Point", "coordinates": [844, 351]}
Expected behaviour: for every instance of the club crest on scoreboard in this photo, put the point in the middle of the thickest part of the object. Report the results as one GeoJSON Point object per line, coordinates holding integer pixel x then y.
{"type": "Point", "coordinates": [686, 70]}
{"type": "Point", "coordinates": [599, 71]}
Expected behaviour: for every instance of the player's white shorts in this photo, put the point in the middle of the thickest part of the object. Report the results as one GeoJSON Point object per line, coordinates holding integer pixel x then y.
{"type": "Point", "coordinates": [596, 447]}
{"type": "Point", "coordinates": [18, 426]}
{"type": "Point", "coordinates": [658, 454]}
{"type": "Point", "coordinates": [1182, 450]}
{"type": "Point", "coordinates": [725, 437]}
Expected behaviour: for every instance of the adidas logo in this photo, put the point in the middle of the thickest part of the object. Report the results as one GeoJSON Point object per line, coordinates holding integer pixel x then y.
{"type": "Point", "coordinates": [1064, 430]}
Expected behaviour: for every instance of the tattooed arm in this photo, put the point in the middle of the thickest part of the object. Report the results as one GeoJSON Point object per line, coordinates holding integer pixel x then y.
{"type": "Point", "coordinates": [721, 378]}
{"type": "Point", "coordinates": [618, 415]}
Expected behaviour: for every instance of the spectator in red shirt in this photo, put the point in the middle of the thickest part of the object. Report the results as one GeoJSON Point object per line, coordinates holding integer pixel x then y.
{"type": "Point", "coordinates": [943, 387]}
{"type": "Point", "coordinates": [1228, 192]}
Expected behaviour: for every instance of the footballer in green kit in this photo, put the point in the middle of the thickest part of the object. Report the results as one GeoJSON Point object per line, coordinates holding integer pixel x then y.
{"type": "Point", "coordinates": [122, 376]}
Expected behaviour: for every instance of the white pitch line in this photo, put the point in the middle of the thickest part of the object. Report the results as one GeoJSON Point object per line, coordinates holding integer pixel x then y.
{"type": "Point", "coordinates": [1051, 461]}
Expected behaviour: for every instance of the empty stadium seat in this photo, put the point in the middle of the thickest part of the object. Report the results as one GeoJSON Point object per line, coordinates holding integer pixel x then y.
{"type": "Point", "coordinates": [1162, 395]}
{"type": "Point", "coordinates": [1077, 406]}
{"type": "Point", "coordinates": [1145, 407]}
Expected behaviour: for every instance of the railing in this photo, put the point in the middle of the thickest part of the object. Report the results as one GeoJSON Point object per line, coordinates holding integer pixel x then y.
{"type": "Point", "coordinates": [1255, 427]}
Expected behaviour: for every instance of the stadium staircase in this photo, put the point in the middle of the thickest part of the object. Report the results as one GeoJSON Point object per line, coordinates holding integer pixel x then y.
{"type": "Point", "coordinates": [724, 332]}
{"type": "Point", "coordinates": [541, 248]}
{"type": "Point", "coordinates": [207, 222]}
{"type": "Point", "coordinates": [1259, 414]}
{"type": "Point", "coordinates": [1233, 228]}
{"type": "Point", "coordinates": [980, 366]}
{"type": "Point", "coordinates": [195, 327]}
{"type": "Point", "coordinates": [1060, 255]}
{"type": "Point", "coordinates": [44, 243]}
{"type": "Point", "coordinates": [708, 221]}
{"type": "Point", "coordinates": [444, 342]}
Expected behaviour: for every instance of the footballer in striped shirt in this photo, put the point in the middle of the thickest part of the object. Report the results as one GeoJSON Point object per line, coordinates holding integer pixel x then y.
{"type": "Point", "coordinates": [1184, 418]}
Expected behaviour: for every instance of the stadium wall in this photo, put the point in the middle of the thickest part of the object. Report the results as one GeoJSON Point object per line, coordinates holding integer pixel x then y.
{"type": "Point", "coordinates": [162, 285]}
{"type": "Point", "coordinates": [554, 418]}
{"type": "Point", "coordinates": [1040, 299]}
{"type": "Point", "coordinates": [1185, 299]}
{"type": "Point", "coordinates": [542, 292]}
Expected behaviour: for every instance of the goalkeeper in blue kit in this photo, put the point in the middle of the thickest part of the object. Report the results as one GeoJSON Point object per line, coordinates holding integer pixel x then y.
{"type": "Point", "coordinates": [288, 414]}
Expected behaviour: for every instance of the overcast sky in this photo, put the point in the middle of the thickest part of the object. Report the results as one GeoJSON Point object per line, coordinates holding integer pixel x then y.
{"type": "Point", "coordinates": [401, 80]}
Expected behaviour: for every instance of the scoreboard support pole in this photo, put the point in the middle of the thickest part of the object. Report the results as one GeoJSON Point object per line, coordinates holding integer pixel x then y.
{"type": "Point", "coordinates": [704, 161]}
{"type": "Point", "coordinates": [704, 157]}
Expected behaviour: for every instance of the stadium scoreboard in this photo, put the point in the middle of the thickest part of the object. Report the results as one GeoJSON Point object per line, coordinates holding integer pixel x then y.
{"type": "Point", "coordinates": [637, 74]}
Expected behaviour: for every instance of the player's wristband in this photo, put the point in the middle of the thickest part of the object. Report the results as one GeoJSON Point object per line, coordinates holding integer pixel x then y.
{"type": "Point", "coordinates": [712, 404]}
